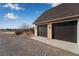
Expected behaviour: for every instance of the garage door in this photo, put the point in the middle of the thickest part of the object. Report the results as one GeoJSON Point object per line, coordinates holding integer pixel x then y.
{"type": "Point", "coordinates": [42, 30]}
{"type": "Point", "coordinates": [66, 31]}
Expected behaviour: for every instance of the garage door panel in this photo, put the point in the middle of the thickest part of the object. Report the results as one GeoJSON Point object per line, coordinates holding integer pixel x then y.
{"type": "Point", "coordinates": [42, 30]}
{"type": "Point", "coordinates": [66, 31]}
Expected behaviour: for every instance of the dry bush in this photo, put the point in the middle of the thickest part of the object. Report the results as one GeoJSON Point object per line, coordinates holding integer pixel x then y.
{"type": "Point", "coordinates": [18, 32]}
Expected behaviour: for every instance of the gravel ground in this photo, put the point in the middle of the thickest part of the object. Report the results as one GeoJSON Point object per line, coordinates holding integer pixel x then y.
{"type": "Point", "coordinates": [12, 45]}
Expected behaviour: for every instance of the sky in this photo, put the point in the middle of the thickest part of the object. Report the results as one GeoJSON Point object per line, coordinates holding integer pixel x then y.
{"type": "Point", "coordinates": [16, 14]}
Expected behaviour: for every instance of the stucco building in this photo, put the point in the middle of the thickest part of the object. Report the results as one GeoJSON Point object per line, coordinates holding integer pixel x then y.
{"type": "Point", "coordinates": [59, 23]}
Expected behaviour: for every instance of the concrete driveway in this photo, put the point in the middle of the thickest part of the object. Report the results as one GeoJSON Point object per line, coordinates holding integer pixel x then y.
{"type": "Point", "coordinates": [12, 45]}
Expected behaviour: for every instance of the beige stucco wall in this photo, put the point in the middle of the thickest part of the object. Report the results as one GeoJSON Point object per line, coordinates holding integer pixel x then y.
{"type": "Point", "coordinates": [35, 30]}
{"type": "Point", "coordinates": [49, 30]}
{"type": "Point", "coordinates": [77, 31]}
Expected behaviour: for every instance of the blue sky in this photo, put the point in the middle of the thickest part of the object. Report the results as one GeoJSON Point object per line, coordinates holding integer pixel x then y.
{"type": "Point", "coordinates": [14, 15]}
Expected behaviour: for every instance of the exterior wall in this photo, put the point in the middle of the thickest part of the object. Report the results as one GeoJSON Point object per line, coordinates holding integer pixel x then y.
{"type": "Point", "coordinates": [77, 31]}
{"type": "Point", "coordinates": [35, 28]}
{"type": "Point", "coordinates": [49, 31]}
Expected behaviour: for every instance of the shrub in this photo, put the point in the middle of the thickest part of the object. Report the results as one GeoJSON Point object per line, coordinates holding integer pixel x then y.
{"type": "Point", "coordinates": [18, 32]}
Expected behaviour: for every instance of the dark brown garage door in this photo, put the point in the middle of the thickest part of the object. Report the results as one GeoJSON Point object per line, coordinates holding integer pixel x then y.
{"type": "Point", "coordinates": [66, 31]}
{"type": "Point", "coordinates": [42, 30]}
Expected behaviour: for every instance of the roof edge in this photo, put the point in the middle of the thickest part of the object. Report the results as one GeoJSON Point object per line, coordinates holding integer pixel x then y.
{"type": "Point", "coordinates": [59, 19]}
{"type": "Point", "coordinates": [46, 11]}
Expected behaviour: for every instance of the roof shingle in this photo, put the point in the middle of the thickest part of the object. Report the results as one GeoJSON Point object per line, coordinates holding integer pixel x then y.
{"type": "Point", "coordinates": [60, 11]}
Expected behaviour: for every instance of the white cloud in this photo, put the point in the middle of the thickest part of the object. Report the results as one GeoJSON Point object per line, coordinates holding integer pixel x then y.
{"type": "Point", "coordinates": [55, 4]}
{"type": "Point", "coordinates": [13, 6]}
{"type": "Point", "coordinates": [10, 16]}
